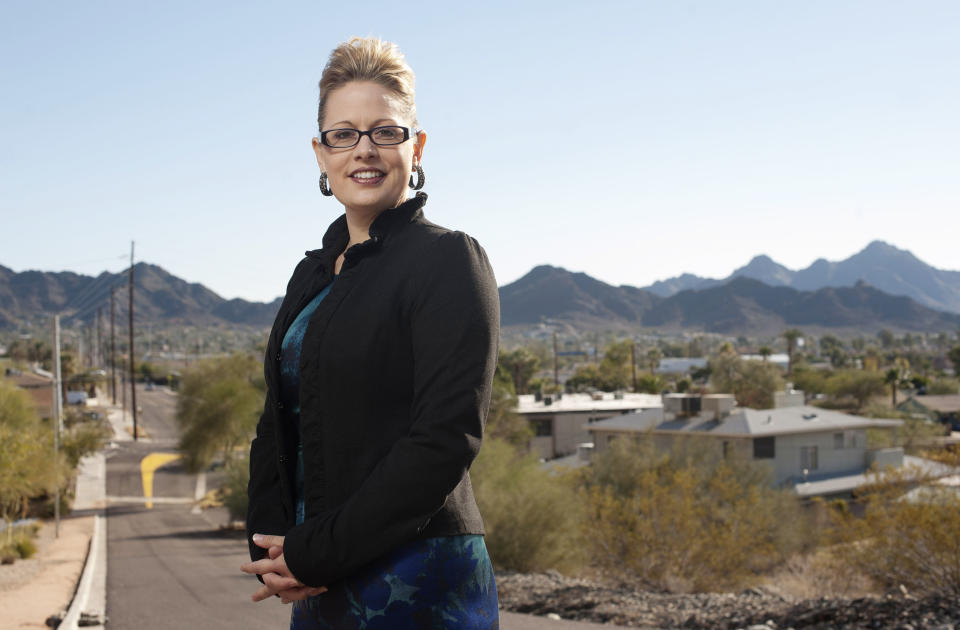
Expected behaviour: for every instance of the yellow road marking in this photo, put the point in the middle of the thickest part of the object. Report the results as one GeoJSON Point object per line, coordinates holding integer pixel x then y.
{"type": "Point", "coordinates": [147, 467]}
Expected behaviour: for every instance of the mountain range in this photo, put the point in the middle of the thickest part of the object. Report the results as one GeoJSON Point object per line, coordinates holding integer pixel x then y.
{"type": "Point", "coordinates": [879, 287]}
{"type": "Point", "coordinates": [892, 270]}
{"type": "Point", "coordinates": [159, 296]}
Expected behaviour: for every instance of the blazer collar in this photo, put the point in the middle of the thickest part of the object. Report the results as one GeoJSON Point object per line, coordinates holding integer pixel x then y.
{"type": "Point", "coordinates": [337, 235]}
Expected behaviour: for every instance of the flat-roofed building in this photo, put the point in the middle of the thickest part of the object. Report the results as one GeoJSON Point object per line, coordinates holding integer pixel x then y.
{"type": "Point", "coordinates": [559, 423]}
{"type": "Point", "coordinates": [802, 446]}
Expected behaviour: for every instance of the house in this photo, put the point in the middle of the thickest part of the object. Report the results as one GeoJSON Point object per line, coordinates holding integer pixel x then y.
{"type": "Point", "coordinates": [38, 386]}
{"type": "Point", "coordinates": [944, 409]}
{"type": "Point", "coordinates": [816, 451]}
{"type": "Point", "coordinates": [558, 421]}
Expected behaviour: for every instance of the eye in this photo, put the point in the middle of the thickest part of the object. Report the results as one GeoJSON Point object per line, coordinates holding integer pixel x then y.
{"type": "Point", "coordinates": [387, 133]}
{"type": "Point", "coordinates": [343, 134]}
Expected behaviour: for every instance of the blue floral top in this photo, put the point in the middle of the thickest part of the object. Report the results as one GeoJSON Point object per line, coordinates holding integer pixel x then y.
{"type": "Point", "coordinates": [440, 582]}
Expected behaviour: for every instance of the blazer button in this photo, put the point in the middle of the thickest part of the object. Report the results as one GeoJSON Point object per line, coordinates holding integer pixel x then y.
{"type": "Point", "coordinates": [283, 459]}
{"type": "Point", "coordinates": [278, 356]}
{"type": "Point", "coordinates": [279, 405]}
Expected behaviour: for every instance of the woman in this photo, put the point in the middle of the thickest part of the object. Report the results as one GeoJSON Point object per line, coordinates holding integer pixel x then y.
{"type": "Point", "coordinates": [379, 370]}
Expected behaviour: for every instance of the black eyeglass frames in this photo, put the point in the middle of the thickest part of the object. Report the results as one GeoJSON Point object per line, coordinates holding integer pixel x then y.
{"type": "Point", "coordinates": [383, 136]}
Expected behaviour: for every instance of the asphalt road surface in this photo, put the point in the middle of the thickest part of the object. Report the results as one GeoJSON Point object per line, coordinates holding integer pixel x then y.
{"type": "Point", "coordinates": [168, 567]}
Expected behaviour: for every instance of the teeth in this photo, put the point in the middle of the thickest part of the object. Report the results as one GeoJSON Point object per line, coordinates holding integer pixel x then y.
{"type": "Point", "coordinates": [367, 174]}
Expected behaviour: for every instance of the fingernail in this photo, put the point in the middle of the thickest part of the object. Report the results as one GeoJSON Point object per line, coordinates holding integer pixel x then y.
{"type": "Point", "coordinates": [257, 538]}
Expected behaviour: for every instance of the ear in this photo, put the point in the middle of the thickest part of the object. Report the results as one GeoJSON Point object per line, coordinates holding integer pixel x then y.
{"type": "Point", "coordinates": [318, 150]}
{"type": "Point", "coordinates": [418, 146]}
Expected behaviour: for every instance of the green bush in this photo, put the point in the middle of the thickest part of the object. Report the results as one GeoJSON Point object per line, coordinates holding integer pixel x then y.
{"type": "Point", "coordinates": [235, 487]}
{"type": "Point", "coordinates": [24, 546]}
{"type": "Point", "coordinates": [943, 387]}
{"type": "Point", "coordinates": [532, 517]}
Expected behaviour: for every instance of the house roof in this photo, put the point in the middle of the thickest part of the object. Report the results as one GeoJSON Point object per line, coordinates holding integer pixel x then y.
{"type": "Point", "coordinates": [837, 484]}
{"type": "Point", "coordinates": [577, 403]}
{"type": "Point", "coordinates": [38, 387]}
{"type": "Point", "coordinates": [744, 422]}
{"type": "Point", "coordinates": [941, 404]}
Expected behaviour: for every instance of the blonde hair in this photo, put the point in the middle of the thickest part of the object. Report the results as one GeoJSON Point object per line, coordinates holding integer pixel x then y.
{"type": "Point", "coordinates": [368, 59]}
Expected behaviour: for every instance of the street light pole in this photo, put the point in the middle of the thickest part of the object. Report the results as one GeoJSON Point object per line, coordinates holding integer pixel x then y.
{"type": "Point", "coordinates": [57, 420]}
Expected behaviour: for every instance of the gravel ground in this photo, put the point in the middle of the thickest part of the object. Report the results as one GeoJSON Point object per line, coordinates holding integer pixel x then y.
{"type": "Point", "coordinates": [754, 609]}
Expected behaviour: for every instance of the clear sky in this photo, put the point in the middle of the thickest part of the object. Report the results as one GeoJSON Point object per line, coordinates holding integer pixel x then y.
{"type": "Point", "coordinates": [633, 141]}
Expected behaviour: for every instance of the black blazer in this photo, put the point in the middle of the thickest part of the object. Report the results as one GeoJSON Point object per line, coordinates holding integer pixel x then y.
{"type": "Point", "coordinates": [395, 380]}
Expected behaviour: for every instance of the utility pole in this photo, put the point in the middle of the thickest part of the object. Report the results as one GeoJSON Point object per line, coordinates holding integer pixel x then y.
{"type": "Point", "coordinates": [633, 362]}
{"type": "Point", "coordinates": [57, 418]}
{"type": "Point", "coordinates": [133, 376]}
{"type": "Point", "coordinates": [113, 346]}
{"type": "Point", "coordinates": [556, 362]}
{"type": "Point", "coordinates": [99, 355]}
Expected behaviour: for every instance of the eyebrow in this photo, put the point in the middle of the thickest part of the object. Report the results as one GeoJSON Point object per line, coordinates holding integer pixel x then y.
{"type": "Point", "coordinates": [375, 123]}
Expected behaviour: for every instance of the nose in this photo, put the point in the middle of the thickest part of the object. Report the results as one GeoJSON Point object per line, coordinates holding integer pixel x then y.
{"type": "Point", "coordinates": [366, 147]}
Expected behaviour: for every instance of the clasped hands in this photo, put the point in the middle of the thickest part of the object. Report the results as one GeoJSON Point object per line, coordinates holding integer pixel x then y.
{"type": "Point", "coordinates": [277, 578]}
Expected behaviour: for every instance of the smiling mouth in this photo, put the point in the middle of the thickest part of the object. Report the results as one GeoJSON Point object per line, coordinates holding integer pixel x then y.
{"type": "Point", "coordinates": [368, 177]}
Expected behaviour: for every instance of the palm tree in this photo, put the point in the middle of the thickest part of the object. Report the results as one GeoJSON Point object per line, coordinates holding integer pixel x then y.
{"type": "Point", "coordinates": [892, 378]}
{"type": "Point", "coordinates": [791, 335]}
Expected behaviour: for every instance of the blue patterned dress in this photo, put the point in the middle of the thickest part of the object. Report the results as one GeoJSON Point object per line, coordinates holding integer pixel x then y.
{"type": "Point", "coordinates": [431, 583]}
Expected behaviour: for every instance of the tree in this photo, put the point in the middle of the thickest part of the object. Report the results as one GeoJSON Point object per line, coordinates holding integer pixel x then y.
{"type": "Point", "coordinates": [503, 422]}
{"type": "Point", "coordinates": [753, 383]}
{"type": "Point", "coordinates": [653, 358]}
{"type": "Point", "coordinates": [886, 338]}
{"type": "Point", "coordinates": [521, 364]}
{"type": "Point", "coordinates": [856, 384]}
{"type": "Point", "coordinates": [791, 335]}
{"type": "Point", "coordinates": [765, 352]}
{"type": "Point", "coordinates": [892, 378]}
{"type": "Point", "coordinates": [26, 465]}
{"type": "Point", "coordinates": [954, 356]}
{"type": "Point", "coordinates": [218, 408]}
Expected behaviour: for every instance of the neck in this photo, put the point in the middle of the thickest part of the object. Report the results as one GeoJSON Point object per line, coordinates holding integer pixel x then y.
{"type": "Point", "coordinates": [358, 224]}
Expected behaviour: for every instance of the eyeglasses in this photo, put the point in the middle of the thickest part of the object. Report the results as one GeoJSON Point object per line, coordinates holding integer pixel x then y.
{"type": "Point", "coordinates": [383, 136]}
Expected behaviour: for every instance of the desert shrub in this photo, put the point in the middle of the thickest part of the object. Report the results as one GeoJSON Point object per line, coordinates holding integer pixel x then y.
{"type": "Point", "coordinates": [83, 439]}
{"type": "Point", "coordinates": [689, 519]}
{"type": "Point", "coordinates": [943, 386]}
{"type": "Point", "coordinates": [909, 534]}
{"type": "Point", "coordinates": [235, 487]}
{"type": "Point", "coordinates": [913, 436]}
{"type": "Point", "coordinates": [531, 516]}
{"type": "Point", "coordinates": [24, 546]}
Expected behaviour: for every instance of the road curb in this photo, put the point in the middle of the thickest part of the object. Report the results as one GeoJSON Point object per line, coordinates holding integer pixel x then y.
{"type": "Point", "coordinates": [90, 597]}
{"type": "Point", "coordinates": [96, 549]}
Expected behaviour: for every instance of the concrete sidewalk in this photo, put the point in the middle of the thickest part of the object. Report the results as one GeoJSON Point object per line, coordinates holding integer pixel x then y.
{"type": "Point", "coordinates": [45, 585]}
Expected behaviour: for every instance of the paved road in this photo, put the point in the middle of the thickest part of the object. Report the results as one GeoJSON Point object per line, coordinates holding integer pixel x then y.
{"type": "Point", "coordinates": [167, 567]}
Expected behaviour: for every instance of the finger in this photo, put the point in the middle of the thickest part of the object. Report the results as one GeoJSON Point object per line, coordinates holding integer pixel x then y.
{"type": "Point", "coordinates": [279, 583]}
{"type": "Point", "coordinates": [300, 592]}
{"type": "Point", "coordinates": [262, 593]}
{"type": "Point", "coordinates": [267, 541]}
{"type": "Point", "coordinates": [274, 551]}
{"type": "Point", "coordinates": [267, 565]}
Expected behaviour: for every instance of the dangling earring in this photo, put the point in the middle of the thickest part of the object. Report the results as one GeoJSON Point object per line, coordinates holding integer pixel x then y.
{"type": "Point", "coordinates": [324, 188]}
{"type": "Point", "coordinates": [421, 178]}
